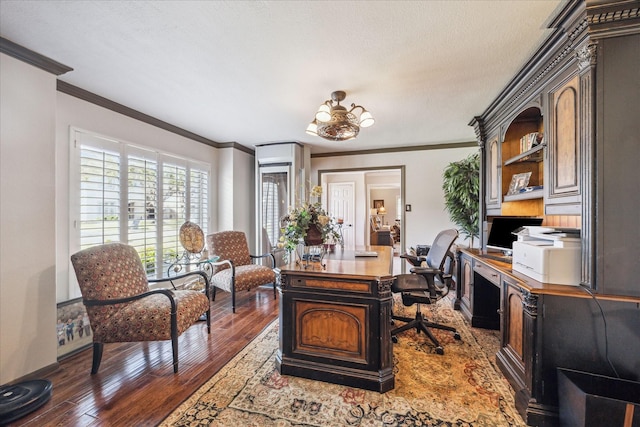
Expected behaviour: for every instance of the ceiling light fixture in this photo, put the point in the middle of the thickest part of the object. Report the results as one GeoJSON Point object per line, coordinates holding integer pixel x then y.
{"type": "Point", "coordinates": [336, 123]}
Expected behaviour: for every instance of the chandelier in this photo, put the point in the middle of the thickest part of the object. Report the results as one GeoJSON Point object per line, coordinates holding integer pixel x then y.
{"type": "Point", "coordinates": [336, 123]}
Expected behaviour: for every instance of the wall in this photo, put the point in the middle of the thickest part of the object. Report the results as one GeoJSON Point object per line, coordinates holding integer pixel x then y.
{"type": "Point", "coordinates": [236, 193]}
{"type": "Point", "coordinates": [72, 111]}
{"type": "Point", "coordinates": [423, 185]}
{"type": "Point", "coordinates": [27, 226]}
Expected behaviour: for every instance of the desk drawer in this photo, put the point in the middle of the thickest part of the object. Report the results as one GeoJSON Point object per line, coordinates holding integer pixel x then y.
{"type": "Point", "coordinates": [328, 284]}
{"type": "Point", "coordinates": [487, 272]}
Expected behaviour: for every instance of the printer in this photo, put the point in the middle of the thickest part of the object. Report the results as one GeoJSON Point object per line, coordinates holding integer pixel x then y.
{"type": "Point", "coordinates": [548, 255]}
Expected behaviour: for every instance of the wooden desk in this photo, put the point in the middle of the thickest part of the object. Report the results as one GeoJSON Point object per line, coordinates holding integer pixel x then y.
{"type": "Point", "coordinates": [335, 322]}
{"type": "Point", "coordinates": [542, 326]}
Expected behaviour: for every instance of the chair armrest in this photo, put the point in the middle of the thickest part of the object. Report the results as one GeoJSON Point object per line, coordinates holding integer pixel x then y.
{"type": "Point", "coordinates": [167, 292]}
{"type": "Point", "coordinates": [226, 261]}
{"type": "Point", "coordinates": [426, 270]}
{"type": "Point", "coordinates": [273, 258]}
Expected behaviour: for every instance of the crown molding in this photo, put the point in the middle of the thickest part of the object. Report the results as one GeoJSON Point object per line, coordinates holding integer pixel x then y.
{"type": "Point", "coordinates": [33, 58]}
{"type": "Point", "coordinates": [397, 149]}
{"type": "Point", "coordinates": [100, 101]}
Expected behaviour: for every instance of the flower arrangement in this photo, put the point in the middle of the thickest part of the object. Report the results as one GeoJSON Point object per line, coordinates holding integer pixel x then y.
{"type": "Point", "coordinates": [308, 223]}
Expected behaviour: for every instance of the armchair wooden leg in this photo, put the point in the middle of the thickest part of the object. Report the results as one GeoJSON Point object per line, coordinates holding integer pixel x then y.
{"type": "Point", "coordinates": [97, 357]}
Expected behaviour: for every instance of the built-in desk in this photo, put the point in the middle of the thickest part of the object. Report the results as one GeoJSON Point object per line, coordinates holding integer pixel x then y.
{"type": "Point", "coordinates": [335, 321]}
{"type": "Point", "coordinates": [536, 335]}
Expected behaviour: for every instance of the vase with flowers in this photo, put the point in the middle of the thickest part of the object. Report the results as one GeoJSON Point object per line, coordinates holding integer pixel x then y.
{"type": "Point", "coordinates": [307, 225]}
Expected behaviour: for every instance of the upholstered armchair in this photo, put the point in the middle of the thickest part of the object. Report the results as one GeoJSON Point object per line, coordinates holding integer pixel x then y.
{"type": "Point", "coordinates": [236, 271]}
{"type": "Point", "coordinates": [122, 307]}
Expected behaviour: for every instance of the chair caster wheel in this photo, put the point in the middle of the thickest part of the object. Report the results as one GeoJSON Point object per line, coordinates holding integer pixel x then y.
{"type": "Point", "coordinates": [439, 350]}
{"type": "Point", "coordinates": [394, 339]}
{"type": "Point", "coordinates": [457, 336]}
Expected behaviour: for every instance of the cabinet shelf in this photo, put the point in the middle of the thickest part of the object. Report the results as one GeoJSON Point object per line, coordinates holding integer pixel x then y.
{"type": "Point", "coordinates": [533, 155]}
{"type": "Point", "coordinates": [535, 194]}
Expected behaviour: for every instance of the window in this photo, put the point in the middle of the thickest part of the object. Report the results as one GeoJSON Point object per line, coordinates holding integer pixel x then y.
{"type": "Point", "coordinates": [125, 193]}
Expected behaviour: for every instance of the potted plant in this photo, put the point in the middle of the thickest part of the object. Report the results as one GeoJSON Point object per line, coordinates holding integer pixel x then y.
{"type": "Point", "coordinates": [461, 185]}
{"type": "Point", "coordinates": [307, 224]}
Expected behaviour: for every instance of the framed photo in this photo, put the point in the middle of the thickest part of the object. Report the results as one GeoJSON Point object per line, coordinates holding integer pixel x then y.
{"type": "Point", "coordinates": [518, 182]}
{"type": "Point", "coordinates": [73, 329]}
{"type": "Point", "coordinates": [377, 204]}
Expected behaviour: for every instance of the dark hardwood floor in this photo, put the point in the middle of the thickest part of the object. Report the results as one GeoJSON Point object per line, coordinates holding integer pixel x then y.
{"type": "Point", "coordinates": [135, 385]}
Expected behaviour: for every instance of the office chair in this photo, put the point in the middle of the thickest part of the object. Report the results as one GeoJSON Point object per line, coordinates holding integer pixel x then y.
{"type": "Point", "coordinates": [427, 284]}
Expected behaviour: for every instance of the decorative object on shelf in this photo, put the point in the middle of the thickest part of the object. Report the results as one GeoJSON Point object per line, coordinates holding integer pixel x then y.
{"type": "Point", "coordinates": [530, 140]}
{"type": "Point", "coordinates": [308, 225]}
{"type": "Point", "coordinates": [461, 185]}
{"type": "Point", "coordinates": [518, 182]}
{"type": "Point", "coordinates": [335, 122]}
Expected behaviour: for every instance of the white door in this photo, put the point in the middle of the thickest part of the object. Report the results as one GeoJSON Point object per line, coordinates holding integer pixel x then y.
{"type": "Point", "coordinates": [341, 203]}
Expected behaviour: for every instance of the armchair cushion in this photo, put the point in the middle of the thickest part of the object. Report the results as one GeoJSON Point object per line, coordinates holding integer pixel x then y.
{"type": "Point", "coordinates": [247, 277]}
{"type": "Point", "coordinates": [148, 318]}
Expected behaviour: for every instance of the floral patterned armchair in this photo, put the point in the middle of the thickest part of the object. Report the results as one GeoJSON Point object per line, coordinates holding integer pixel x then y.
{"type": "Point", "coordinates": [122, 307]}
{"type": "Point", "coordinates": [235, 271]}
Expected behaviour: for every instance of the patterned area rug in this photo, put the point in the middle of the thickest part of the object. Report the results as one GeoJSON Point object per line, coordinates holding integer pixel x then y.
{"type": "Point", "coordinates": [461, 388]}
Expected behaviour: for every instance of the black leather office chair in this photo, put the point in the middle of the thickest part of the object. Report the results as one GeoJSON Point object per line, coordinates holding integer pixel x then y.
{"type": "Point", "coordinates": [427, 284]}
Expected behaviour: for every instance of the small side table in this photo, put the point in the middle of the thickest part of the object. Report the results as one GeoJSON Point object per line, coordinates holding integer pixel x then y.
{"type": "Point", "coordinates": [187, 261]}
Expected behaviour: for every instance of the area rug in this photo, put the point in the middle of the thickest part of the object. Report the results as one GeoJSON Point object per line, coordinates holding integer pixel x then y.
{"type": "Point", "coordinates": [463, 387]}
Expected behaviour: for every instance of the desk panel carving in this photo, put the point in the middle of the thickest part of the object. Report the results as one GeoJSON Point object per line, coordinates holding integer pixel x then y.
{"type": "Point", "coordinates": [332, 330]}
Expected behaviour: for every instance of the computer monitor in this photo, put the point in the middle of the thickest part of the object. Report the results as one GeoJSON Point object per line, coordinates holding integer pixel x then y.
{"type": "Point", "coordinates": [501, 230]}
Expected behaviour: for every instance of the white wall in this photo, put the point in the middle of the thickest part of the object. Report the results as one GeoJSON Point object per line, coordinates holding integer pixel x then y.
{"type": "Point", "coordinates": [72, 111]}
{"type": "Point", "coordinates": [423, 185]}
{"type": "Point", "coordinates": [27, 226]}
{"type": "Point", "coordinates": [236, 193]}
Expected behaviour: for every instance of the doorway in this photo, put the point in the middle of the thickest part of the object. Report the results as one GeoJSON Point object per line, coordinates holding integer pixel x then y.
{"type": "Point", "coordinates": [366, 182]}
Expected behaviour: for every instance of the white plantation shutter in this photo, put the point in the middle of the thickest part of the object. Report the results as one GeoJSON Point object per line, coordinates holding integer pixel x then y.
{"type": "Point", "coordinates": [199, 197]}
{"type": "Point", "coordinates": [126, 193]}
{"type": "Point", "coordinates": [174, 208]}
{"type": "Point", "coordinates": [99, 198]}
{"type": "Point", "coordinates": [142, 204]}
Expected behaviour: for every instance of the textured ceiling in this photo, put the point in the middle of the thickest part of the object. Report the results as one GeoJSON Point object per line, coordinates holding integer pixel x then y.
{"type": "Point", "coordinates": [256, 71]}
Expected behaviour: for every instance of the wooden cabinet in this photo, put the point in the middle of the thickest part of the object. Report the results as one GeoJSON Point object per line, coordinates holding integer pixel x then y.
{"type": "Point", "coordinates": [464, 283]}
{"type": "Point", "coordinates": [562, 172]}
{"type": "Point", "coordinates": [493, 176]}
{"type": "Point", "coordinates": [517, 355]}
{"type": "Point", "coordinates": [583, 87]}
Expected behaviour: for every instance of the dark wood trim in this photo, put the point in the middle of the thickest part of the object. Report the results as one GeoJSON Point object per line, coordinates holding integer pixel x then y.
{"type": "Point", "coordinates": [100, 101]}
{"type": "Point", "coordinates": [397, 149]}
{"type": "Point", "coordinates": [33, 58]}
{"type": "Point", "coordinates": [613, 19]}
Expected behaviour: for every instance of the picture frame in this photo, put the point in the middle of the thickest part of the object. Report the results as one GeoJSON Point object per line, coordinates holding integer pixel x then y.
{"type": "Point", "coordinates": [73, 329]}
{"type": "Point", "coordinates": [377, 204]}
{"type": "Point", "coordinates": [518, 182]}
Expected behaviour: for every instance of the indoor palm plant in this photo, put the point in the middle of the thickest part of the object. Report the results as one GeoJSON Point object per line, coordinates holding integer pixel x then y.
{"type": "Point", "coordinates": [461, 185]}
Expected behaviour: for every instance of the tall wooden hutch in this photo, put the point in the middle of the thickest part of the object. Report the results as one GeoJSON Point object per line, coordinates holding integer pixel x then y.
{"type": "Point", "coordinates": [581, 91]}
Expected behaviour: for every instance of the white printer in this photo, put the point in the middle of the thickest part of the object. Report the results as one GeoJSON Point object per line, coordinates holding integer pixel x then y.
{"type": "Point", "coordinates": [548, 255]}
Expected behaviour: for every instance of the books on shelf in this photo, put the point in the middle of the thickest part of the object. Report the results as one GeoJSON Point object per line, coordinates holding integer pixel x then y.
{"type": "Point", "coordinates": [530, 140]}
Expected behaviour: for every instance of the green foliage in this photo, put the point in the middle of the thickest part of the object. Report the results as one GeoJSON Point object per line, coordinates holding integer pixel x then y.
{"type": "Point", "coordinates": [461, 185]}
{"type": "Point", "coordinates": [296, 223]}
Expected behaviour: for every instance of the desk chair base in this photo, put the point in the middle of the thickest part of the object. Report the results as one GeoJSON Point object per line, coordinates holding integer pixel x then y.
{"type": "Point", "coordinates": [422, 324]}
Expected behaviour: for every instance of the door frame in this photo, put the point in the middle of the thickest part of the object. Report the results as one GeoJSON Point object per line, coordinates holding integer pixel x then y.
{"type": "Point", "coordinates": [402, 170]}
